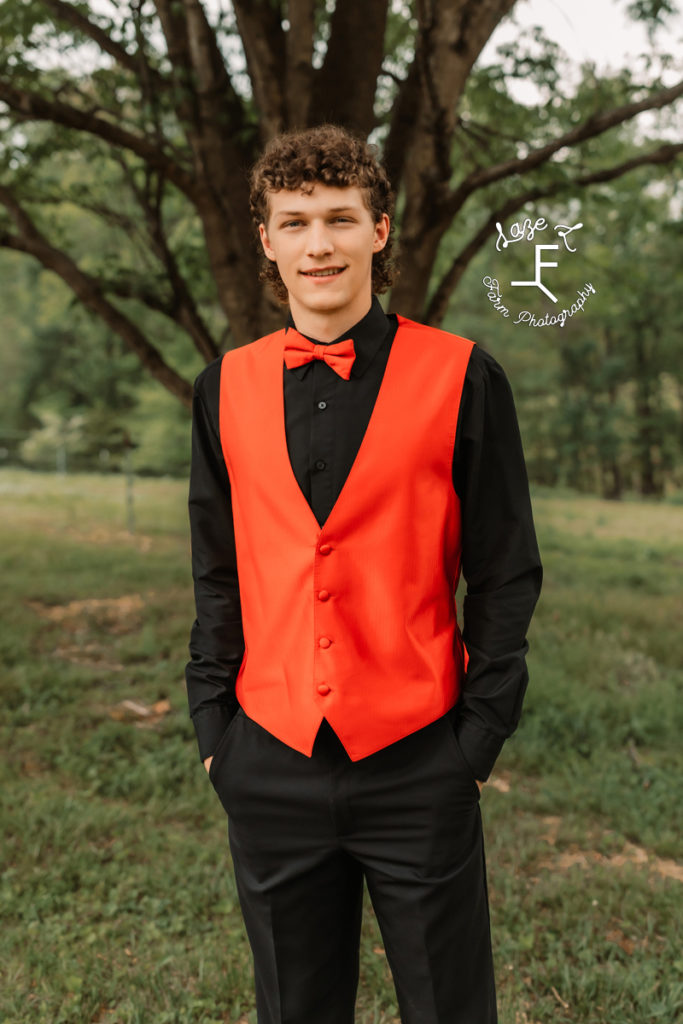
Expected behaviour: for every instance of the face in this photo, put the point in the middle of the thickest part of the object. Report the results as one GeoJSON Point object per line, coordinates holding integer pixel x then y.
{"type": "Point", "coordinates": [323, 244]}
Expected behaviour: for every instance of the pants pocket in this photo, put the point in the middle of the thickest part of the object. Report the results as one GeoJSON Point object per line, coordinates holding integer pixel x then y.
{"type": "Point", "coordinates": [463, 766]}
{"type": "Point", "coordinates": [223, 746]}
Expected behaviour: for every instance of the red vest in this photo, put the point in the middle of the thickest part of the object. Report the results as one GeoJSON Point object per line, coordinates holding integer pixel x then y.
{"type": "Point", "coordinates": [354, 622]}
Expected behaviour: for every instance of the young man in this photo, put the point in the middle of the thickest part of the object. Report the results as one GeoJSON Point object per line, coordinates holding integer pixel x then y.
{"type": "Point", "coordinates": [343, 469]}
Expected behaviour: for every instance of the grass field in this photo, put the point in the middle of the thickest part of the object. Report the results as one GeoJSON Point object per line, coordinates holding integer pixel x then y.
{"type": "Point", "coordinates": [117, 901]}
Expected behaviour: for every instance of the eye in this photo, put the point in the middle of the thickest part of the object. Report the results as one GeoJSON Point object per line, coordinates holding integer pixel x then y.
{"type": "Point", "coordinates": [291, 223]}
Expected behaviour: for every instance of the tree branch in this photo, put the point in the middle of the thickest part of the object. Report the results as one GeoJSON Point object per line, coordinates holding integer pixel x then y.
{"type": "Point", "coordinates": [451, 35]}
{"type": "Point", "coordinates": [218, 105]}
{"type": "Point", "coordinates": [260, 26]}
{"type": "Point", "coordinates": [134, 287]}
{"type": "Point", "coordinates": [438, 304]}
{"type": "Point", "coordinates": [179, 305]}
{"type": "Point", "coordinates": [183, 308]}
{"type": "Point", "coordinates": [30, 240]}
{"type": "Point", "coordinates": [71, 15]}
{"type": "Point", "coordinates": [666, 154]}
{"type": "Point", "coordinates": [149, 85]}
{"type": "Point", "coordinates": [174, 27]}
{"type": "Point", "coordinates": [299, 57]}
{"type": "Point", "coordinates": [223, 144]}
{"type": "Point", "coordinates": [32, 106]}
{"type": "Point", "coordinates": [402, 126]}
{"type": "Point", "coordinates": [595, 125]}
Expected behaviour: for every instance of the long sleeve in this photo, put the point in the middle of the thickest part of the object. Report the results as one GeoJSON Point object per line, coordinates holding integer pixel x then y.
{"type": "Point", "coordinates": [500, 563]}
{"type": "Point", "coordinates": [217, 639]}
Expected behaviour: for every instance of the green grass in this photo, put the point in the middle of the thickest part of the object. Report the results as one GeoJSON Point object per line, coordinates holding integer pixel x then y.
{"type": "Point", "coordinates": [117, 899]}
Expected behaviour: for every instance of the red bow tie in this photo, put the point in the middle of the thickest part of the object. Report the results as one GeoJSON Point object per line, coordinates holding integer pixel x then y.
{"type": "Point", "coordinates": [299, 350]}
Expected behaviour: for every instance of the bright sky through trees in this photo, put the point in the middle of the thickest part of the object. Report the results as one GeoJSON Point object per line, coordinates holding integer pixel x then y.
{"type": "Point", "coordinates": [598, 31]}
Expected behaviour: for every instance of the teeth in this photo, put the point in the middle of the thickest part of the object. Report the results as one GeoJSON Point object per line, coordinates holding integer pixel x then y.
{"type": "Point", "coordinates": [322, 273]}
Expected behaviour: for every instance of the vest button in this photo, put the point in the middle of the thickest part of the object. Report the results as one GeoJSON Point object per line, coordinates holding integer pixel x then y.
{"type": "Point", "coordinates": [324, 641]}
{"type": "Point", "coordinates": [323, 595]}
{"type": "Point", "coordinates": [325, 549]}
{"type": "Point", "coordinates": [323, 689]}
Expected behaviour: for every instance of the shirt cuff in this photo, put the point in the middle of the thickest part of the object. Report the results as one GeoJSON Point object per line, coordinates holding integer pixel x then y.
{"type": "Point", "coordinates": [210, 724]}
{"type": "Point", "coordinates": [479, 747]}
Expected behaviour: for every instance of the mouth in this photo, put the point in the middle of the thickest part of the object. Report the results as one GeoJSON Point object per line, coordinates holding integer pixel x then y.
{"type": "Point", "coordinates": [324, 274]}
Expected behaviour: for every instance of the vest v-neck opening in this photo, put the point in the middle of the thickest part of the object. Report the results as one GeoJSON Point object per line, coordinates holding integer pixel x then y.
{"type": "Point", "coordinates": [379, 403]}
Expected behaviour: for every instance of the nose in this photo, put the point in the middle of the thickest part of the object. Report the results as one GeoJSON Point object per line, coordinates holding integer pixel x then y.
{"type": "Point", "coordinates": [318, 240]}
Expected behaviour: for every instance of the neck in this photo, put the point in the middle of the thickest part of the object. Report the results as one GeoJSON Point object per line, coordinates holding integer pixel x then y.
{"type": "Point", "coordinates": [327, 325]}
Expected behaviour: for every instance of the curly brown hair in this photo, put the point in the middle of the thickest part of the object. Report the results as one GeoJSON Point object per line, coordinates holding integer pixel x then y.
{"type": "Point", "coordinates": [331, 155]}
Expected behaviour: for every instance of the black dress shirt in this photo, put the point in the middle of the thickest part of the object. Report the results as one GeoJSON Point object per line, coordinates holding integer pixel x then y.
{"type": "Point", "coordinates": [325, 420]}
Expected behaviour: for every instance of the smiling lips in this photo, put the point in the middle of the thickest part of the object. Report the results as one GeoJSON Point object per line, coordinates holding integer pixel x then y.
{"type": "Point", "coordinates": [326, 272]}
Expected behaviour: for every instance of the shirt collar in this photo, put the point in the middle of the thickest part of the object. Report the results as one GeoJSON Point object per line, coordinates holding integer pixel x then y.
{"type": "Point", "coordinates": [368, 335]}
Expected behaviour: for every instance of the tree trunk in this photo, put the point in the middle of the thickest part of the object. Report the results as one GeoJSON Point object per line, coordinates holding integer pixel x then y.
{"type": "Point", "coordinates": [650, 484]}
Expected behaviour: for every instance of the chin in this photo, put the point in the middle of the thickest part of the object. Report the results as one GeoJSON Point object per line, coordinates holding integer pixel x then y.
{"type": "Point", "coordinates": [322, 302]}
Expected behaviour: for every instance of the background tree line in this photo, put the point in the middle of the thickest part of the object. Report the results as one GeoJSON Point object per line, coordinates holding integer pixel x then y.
{"type": "Point", "coordinates": [129, 259]}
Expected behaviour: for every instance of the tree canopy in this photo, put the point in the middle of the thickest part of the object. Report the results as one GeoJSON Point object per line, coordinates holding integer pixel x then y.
{"type": "Point", "coordinates": [127, 130]}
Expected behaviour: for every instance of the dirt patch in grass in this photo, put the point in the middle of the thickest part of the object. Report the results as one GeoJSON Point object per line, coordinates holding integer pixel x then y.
{"type": "Point", "coordinates": [106, 536]}
{"type": "Point", "coordinates": [118, 615]}
{"type": "Point", "coordinates": [501, 782]}
{"type": "Point", "coordinates": [140, 714]}
{"type": "Point", "coordinates": [629, 854]}
{"type": "Point", "coordinates": [87, 656]}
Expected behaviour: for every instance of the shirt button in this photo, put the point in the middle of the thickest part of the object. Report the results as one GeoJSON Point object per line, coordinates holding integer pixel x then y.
{"type": "Point", "coordinates": [322, 405]}
{"type": "Point", "coordinates": [324, 641]}
{"type": "Point", "coordinates": [323, 595]}
{"type": "Point", "coordinates": [325, 549]}
{"type": "Point", "coordinates": [323, 688]}
{"type": "Point", "coordinates": [320, 464]}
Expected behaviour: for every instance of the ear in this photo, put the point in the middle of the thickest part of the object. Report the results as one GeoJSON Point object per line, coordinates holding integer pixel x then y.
{"type": "Point", "coordinates": [382, 228]}
{"type": "Point", "coordinates": [265, 242]}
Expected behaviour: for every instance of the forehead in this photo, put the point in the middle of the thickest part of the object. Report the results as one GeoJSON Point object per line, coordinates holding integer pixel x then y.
{"type": "Point", "coordinates": [320, 200]}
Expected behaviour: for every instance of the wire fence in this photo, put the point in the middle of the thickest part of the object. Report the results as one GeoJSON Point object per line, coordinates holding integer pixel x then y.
{"type": "Point", "coordinates": [66, 457]}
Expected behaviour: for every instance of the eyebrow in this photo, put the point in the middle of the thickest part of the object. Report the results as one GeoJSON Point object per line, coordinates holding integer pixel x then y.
{"type": "Point", "coordinates": [333, 209]}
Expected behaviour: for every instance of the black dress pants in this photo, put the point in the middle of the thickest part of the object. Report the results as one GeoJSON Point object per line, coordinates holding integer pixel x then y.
{"type": "Point", "coordinates": [303, 832]}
